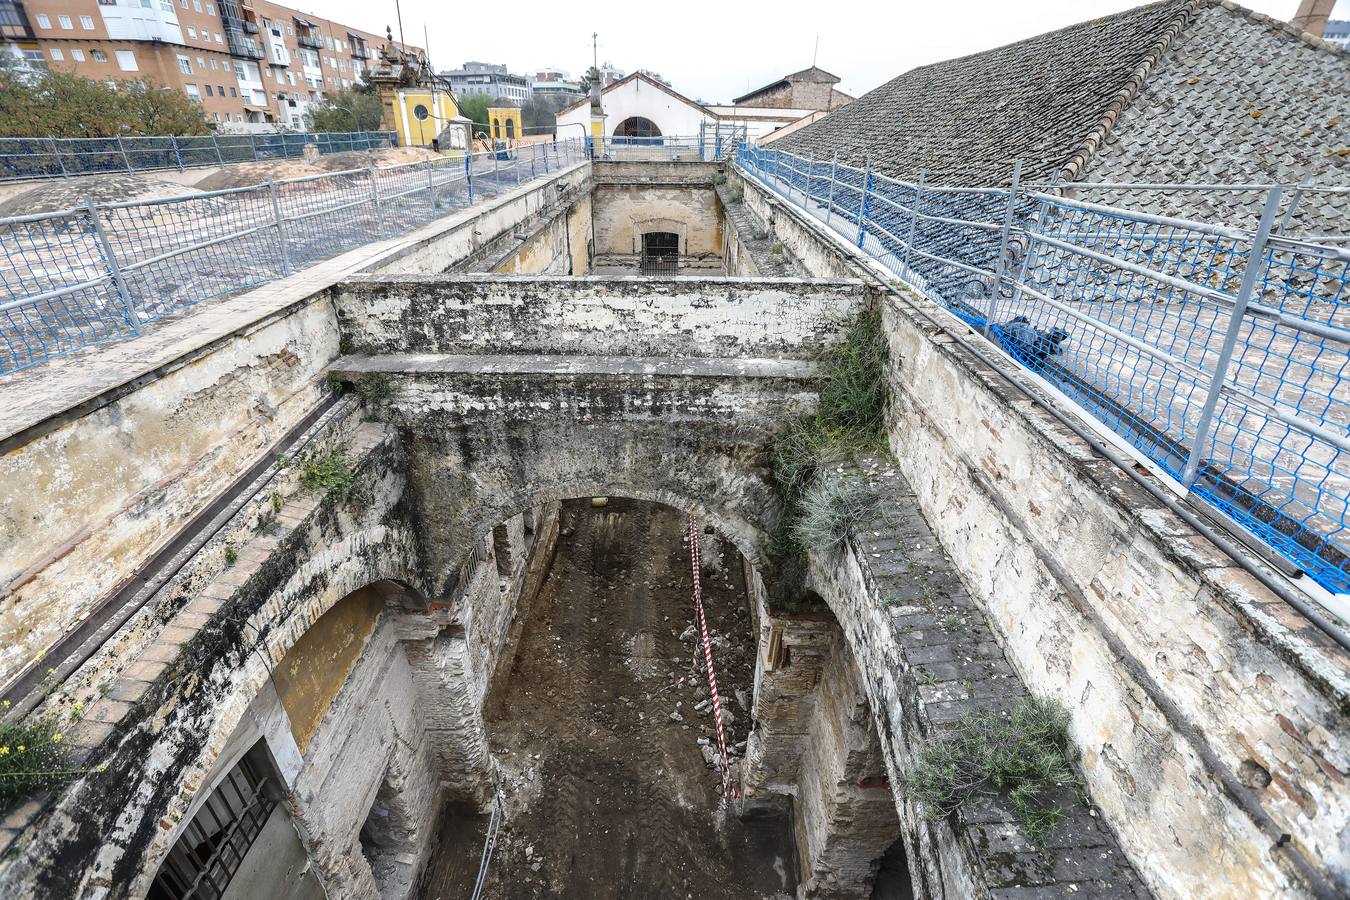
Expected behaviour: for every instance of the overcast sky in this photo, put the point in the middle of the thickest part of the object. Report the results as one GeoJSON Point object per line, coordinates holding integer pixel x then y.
{"type": "Point", "coordinates": [718, 50]}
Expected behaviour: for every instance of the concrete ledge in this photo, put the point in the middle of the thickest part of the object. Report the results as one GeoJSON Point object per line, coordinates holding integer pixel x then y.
{"type": "Point", "coordinates": [619, 366]}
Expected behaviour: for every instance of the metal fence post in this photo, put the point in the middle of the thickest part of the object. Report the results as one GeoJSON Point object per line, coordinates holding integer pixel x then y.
{"type": "Point", "coordinates": [1287, 219]}
{"type": "Point", "coordinates": [468, 171]}
{"type": "Point", "coordinates": [56, 151]}
{"type": "Point", "coordinates": [533, 153]}
{"type": "Point", "coordinates": [280, 224]}
{"type": "Point", "coordinates": [431, 188]}
{"type": "Point", "coordinates": [829, 200]}
{"type": "Point", "coordinates": [215, 142]}
{"type": "Point", "coordinates": [123, 150]}
{"type": "Point", "coordinates": [178, 154]}
{"type": "Point", "coordinates": [997, 286]}
{"type": "Point", "coordinates": [913, 221]}
{"type": "Point", "coordinates": [375, 198]}
{"type": "Point", "coordinates": [1205, 427]}
{"type": "Point", "coordinates": [110, 262]}
{"type": "Point", "coordinates": [864, 201]}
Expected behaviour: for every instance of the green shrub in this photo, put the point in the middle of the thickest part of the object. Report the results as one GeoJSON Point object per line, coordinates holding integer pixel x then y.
{"type": "Point", "coordinates": [31, 758]}
{"type": "Point", "coordinates": [328, 473]}
{"type": "Point", "coordinates": [1027, 756]}
{"type": "Point", "coordinates": [376, 389]}
{"type": "Point", "coordinates": [829, 510]}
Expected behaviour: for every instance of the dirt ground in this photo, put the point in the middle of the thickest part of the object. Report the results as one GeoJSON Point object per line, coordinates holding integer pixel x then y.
{"type": "Point", "coordinates": [607, 793]}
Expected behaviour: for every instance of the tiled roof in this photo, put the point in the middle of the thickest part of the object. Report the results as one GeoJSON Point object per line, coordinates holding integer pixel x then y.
{"type": "Point", "coordinates": [1237, 99]}
{"type": "Point", "coordinates": [966, 120]}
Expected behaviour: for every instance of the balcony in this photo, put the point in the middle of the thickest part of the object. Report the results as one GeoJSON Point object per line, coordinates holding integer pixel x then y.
{"type": "Point", "coordinates": [243, 47]}
{"type": "Point", "coordinates": [311, 41]}
{"type": "Point", "coordinates": [14, 22]}
{"type": "Point", "coordinates": [360, 52]}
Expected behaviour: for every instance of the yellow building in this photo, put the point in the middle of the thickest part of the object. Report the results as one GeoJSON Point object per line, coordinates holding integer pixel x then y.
{"type": "Point", "coordinates": [420, 114]}
{"type": "Point", "coordinates": [506, 123]}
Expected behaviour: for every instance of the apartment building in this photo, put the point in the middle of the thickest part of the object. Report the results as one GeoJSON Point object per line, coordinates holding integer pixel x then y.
{"type": "Point", "coordinates": [251, 64]}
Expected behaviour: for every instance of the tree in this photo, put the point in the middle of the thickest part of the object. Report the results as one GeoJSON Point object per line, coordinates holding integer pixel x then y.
{"type": "Point", "coordinates": [539, 114]}
{"type": "Point", "coordinates": [475, 107]}
{"type": "Point", "coordinates": [347, 110]}
{"type": "Point", "coordinates": [61, 104]}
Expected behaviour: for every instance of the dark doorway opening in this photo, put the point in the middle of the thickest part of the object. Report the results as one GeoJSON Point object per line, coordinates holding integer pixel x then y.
{"type": "Point", "coordinates": [637, 130]}
{"type": "Point", "coordinates": [660, 253]}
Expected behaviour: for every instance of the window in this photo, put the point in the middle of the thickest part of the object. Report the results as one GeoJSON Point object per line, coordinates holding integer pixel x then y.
{"type": "Point", "coordinates": [191, 90]}
{"type": "Point", "coordinates": [107, 2]}
{"type": "Point", "coordinates": [210, 10]}
{"type": "Point", "coordinates": [126, 61]}
{"type": "Point", "coordinates": [201, 63]}
{"type": "Point", "coordinates": [213, 62]}
{"type": "Point", "coordinates": [216, 840]}
{"type": "Point", "coordinates": [87, 23]}
{"type": "Point", "coordinates": [77, 54]}
{"type": "Point", "coordinates": [57, 54]}
{"type": "Point", "coordinates": [65, 22]}
{"type": "Point", "coordinates": [329, 38]}
{"type": "Point", "coordinates": [98, 55]}
{"type": "Point", "coordinates": [219, 39]}
{"type": "Point", "coordinates": [197, 5]}
{"type": "Point", "coordinates": [220, 90]}
{"type": "Point", "coordinates": [233, 92]}
{"type": "Point", "coordinates": [239, 71]}
{"type": "Point", "coordinates": [43, 21]}
{"type": "Point", "coordinates": [216, 115]}
{"type": "Point", "coordinates": [209, 91]}
{"type": "Point", "coordinates": [192, 32]}
{"type": "Point", "coordinates": [184, 64]}
{"type": "Point", "coordinates": [183, 3]}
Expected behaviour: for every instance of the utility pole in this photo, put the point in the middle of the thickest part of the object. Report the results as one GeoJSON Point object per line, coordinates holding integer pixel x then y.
{"type": "Point", "coordinates": [815, 52]}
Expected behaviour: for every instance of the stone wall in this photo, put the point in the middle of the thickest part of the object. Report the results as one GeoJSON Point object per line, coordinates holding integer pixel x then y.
{"type": "Point", "coordinates": [722, 317]}
{"type": "Point", "coordinates": [623, 213]}
{"type": "Point", "coordinates": [1212, 719]}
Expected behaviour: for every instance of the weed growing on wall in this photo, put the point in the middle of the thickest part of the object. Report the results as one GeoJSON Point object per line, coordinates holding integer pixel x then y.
{"type": "Point", "coordinates": [376, 389]}
{"type": "Point", "coordinates": [851, 419]}
{"type": "Point", "coordinates": [829, 511]}
{"type": "Point", "coordinates": [1026, 756]}
{"type": "Point", "coordinates": [327, 473]}
{"type": "Point", "coordinates": [31, 758]}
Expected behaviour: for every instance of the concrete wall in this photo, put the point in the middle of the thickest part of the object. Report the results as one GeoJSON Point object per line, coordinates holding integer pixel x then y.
{"type": "Point", "coordinates": [562, 247]}
{"type": "Point", "coordinates": [624, 213]}
{"type": "Point", "coordinates": [84, 502]}
{"type": "Point", "coordinates": [594, 315]}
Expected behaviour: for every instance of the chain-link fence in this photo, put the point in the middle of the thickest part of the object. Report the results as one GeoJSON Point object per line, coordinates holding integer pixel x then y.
{"type": "Point", "coordinates": [1219, 354]}
{"type": "Point", "coordinates": [75, 277]}
{"type": "Point", "coordinates": [27, 158]}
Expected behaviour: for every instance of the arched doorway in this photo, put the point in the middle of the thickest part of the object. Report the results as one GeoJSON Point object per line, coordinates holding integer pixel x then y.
{"type": "Point", "coordinates": [638, 130]}
{"type": "Point", "coordinates": [510, 129]}
{"type": "Point", "coordinates": [660, 253]}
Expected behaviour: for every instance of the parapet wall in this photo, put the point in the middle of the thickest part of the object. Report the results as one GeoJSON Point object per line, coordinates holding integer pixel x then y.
{"type": "Point", "coordinates": [620, 316]}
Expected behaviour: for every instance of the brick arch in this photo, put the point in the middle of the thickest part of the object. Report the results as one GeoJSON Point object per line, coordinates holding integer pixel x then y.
{"type": "Point", "coordinates": [468, 485]}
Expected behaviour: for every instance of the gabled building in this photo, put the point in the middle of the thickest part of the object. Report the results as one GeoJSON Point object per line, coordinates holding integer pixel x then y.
{"type": "Point", "coordinates": [811, 89]}
{"type": "Point", "coordinates": [639, 106]}
{"type": "Point", "coordinates": [1180, 91]}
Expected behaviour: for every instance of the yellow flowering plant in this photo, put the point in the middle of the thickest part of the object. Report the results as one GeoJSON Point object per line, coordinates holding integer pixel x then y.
{"type": "Point", "coordinates": [31, 758]}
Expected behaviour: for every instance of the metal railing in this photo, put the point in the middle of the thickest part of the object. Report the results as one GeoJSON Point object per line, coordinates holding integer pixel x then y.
{"type": "Point", "coordinates": [1220, 355]}
{"type": "Point", "coordinates": [708, 147]}
{"type": "Point", "coordinates": [76, 277]}
{"type": "Point", "coordinates": [28, 158]}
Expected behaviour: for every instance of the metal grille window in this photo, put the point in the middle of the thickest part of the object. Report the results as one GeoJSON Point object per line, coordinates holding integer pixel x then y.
{"type": "Point", "coordinates": [214, 844]}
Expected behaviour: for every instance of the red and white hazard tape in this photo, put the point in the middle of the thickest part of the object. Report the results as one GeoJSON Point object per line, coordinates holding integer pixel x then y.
{"type": "Point", "coordinates": [696, 558]}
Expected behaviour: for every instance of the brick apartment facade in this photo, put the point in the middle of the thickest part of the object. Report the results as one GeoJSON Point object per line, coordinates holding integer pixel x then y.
{"type": "Point", "coordinates": [251, 65]}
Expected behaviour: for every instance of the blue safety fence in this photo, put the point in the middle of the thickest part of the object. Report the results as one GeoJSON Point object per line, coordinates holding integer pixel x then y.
{"type": "Point", "coordinates": [26, 158]}
{"type": "Point", "coordinates": [1219, 354]}
{"type": "Point", "coordinates": [709, 146]}
{"type": "Point", "coordinates": [77, 277]}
